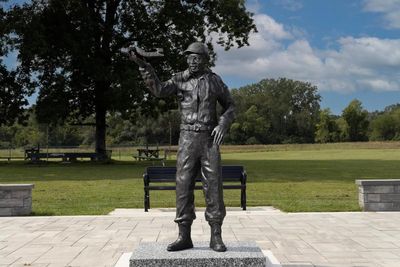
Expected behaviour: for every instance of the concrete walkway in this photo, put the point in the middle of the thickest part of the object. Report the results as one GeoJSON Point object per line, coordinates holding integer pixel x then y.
{"type": "Point", "coordinates": [295, 239]}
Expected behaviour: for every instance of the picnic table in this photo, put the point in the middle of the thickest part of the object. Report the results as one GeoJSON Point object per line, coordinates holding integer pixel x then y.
{"type": "Point", "coordinates": [30, 151]}
{"type": "Point", "coordinates": [148, 153]}
{"type": "Point", "coordinates": [151, 154]}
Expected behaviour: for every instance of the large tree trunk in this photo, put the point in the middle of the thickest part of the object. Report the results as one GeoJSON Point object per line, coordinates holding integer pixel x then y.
{"type": "Point", "coordinates": [104, 85]}
{"type": "Point", "coordinates": [101, 131]}
{"type": "Point", "coordinates": [101, 87]}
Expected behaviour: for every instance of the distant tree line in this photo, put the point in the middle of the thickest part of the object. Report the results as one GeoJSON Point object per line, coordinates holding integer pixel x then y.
{"type": "Point", "coordinates": [135, 130]}
{"type": "Point", "coordinates": [357, 124]}
{"type": "Point", "coordinates": [273, 111]}
{"type": "Point", "coordinates": [287, 111]}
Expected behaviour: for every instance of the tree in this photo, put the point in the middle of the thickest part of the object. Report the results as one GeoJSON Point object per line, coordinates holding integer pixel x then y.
{"type": "Point", "coordinates": [12, 97]}
{"type": "Point", "coordinates": [383, 127]}
{"type": "Point", "coordinates": [343, 129]}
{"type": "Point", "coordinates": [73, 49]}
{"type": "Point", "coordinates": [250, 128]}
{"type": "Point", "coordinates": [386, 126]}
{"type": "Point", "coordinates": [356, 119]}
{"type": "Point", "coordinates": [28, 134]}
{"type": "Point", "coordinates": [12, 94]}
{"type": "Point", "coordinates": [289, 109]}
{"type": "Point", "coordinates": [142, 129]}
{"type": "Point", "coordinates": [327, 128]}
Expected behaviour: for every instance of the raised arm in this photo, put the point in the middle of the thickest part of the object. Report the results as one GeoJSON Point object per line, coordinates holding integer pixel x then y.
{"type": "Point", "coordinates": [153, 83]}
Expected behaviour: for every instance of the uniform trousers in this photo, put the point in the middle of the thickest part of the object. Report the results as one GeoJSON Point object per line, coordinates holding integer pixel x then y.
{"type": "Point", "coordinates": [198, 155]}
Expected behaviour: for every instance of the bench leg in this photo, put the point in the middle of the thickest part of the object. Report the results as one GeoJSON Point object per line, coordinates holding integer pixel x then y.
{"type": "Point", "coordinates": [146, 200]}
{"type": "Point", "coordinates": [243, 199]}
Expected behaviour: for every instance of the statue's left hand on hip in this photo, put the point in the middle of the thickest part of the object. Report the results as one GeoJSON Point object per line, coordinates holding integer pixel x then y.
{"type": "Point", "coordinates": [219, 134]}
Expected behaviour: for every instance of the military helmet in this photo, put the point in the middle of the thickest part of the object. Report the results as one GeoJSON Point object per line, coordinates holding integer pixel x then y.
{"type": "Point", "coordinates": [197, 48]}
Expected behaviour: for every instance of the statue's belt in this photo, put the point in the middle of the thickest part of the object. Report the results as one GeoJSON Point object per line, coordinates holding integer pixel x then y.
{"type": "Point", "coordinates": [196, 127]}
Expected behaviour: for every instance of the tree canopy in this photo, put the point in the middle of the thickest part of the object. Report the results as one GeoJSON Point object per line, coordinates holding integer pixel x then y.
{"type": "Point", "coordinates": [70, 50]}
{"type": "Point", "coordinates": [356, 118]}
{"type": "Point", "coordinates": [386, 126]}
{"type": "Point", "coordinates": [327, 128]}
{"type": "Point", "coordinates": [12, 94]}
{"type": "Point", "coordinates": [275, 111]}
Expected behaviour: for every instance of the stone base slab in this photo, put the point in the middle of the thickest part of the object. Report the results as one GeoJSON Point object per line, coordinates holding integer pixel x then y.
{"type": "Point", "coordinates": [237, 254]}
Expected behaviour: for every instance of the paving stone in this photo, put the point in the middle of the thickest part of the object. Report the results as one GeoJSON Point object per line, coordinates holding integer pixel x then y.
{"type": "Point", "coordinates": [29, 254]}
{"type": "Point", "coordinates": [5, 260]}
{"type": "Point", "coordinates": [60, 255]}
{"type": "Point", "coordinates": [298, 264]}
{"type": "Point", "coordinates": [357, 236]}
{"type": "Point", "coordinates": [92, 256]}
{"type": "Point", "coordinates": [24, 264]}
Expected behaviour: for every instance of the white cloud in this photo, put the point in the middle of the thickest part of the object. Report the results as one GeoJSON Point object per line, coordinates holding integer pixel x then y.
{"type": "Point", "coordinates": [380, 85]}
{"type": "Point", "coordinates": [292, 5]}
{"type": "Point", "coordinates": [265, 41]}
{"type": "Point", "coordinates": [371, 52]}
{"type": "Point", "coordinates": [389, 8]}
{"type": "Point", "coordinates": [366, 63]}
{"type": "Point", "coordinates": [269, 28]}
{"type": "Point", "coordinates": [253, 6]}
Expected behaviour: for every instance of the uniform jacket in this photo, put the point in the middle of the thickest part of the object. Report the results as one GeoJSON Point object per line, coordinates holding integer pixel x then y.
{"type": "Point", "coordinates": [198, 97]}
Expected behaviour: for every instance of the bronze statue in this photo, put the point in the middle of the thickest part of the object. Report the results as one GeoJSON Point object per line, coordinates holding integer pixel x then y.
{"type": "Point", "coordinates": [198, 90]}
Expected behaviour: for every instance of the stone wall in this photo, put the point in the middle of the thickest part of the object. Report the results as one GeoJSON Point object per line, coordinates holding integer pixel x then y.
{"type": "Point", "coordinates": [15, 199]}
{"type": "Point", "coordinates": [379, 195]}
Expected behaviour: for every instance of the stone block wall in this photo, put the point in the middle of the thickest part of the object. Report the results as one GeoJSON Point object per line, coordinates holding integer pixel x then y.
{"type": "Point", "coordinates": [15, 199]}
{"type": "Point", "coordinates": [379, 194]}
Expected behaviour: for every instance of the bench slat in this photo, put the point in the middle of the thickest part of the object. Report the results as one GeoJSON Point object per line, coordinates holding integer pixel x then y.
{"type": "Point", "coordinates": [161, 174]}
{"type": "Point", "coordinates": [197, 187]}
{"type": "Point", "coordinates": [166, 179]}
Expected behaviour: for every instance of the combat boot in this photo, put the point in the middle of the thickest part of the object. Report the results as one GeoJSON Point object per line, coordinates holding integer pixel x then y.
{"type": "Point", "coordinates": [184, 240]}
{"type": "Point", "coordinates": [216, 242]}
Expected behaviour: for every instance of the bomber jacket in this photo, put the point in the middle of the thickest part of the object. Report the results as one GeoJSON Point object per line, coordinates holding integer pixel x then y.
{"type": "Point", "coordinates": [198, 97]}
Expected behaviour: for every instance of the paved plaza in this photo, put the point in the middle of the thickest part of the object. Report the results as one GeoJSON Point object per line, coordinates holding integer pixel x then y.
{"type": "Point", "coordinates": [293, 239]}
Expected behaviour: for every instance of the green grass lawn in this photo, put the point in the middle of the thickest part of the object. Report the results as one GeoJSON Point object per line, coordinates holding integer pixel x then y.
{"type": "Point", "coordinates": [293, 179]}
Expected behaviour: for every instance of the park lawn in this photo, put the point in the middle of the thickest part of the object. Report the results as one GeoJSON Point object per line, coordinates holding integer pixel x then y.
{"type": "Point", "coordinates": [291, 180]}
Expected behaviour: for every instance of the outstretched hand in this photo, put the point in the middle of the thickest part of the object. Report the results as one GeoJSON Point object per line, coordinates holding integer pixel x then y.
{"type": "Point", "coordinates": [136, 59]}
{"type": "Point", "coordinates": [219, 134]}
{"type": "Point", "coordinates": [133, 57]}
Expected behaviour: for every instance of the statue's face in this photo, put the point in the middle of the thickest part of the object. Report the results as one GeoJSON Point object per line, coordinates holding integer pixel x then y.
{"type": "Point", "coordinates": [196, 62]}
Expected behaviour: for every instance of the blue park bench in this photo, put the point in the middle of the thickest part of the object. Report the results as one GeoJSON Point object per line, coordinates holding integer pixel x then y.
{"type": "Point", "coordinates": [167, 175]}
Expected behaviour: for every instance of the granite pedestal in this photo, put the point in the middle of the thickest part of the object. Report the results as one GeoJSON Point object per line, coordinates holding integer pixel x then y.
{"type": "Point", "coordinates": [238, 254]}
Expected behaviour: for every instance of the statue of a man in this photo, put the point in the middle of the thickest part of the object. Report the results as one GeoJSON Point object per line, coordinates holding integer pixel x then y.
{"type": "Point", "coordinates": [201, 132]}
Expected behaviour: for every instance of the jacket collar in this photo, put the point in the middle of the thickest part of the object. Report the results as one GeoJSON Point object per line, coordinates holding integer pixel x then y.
{"type": "Point", "coordinates": [187, 75]}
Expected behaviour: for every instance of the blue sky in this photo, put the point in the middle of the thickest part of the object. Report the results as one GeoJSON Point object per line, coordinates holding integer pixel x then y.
{"type": "Point", "coordinates": [348, 48]}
